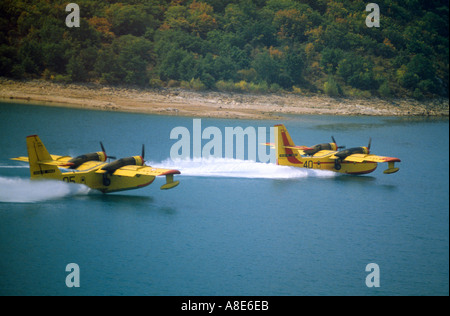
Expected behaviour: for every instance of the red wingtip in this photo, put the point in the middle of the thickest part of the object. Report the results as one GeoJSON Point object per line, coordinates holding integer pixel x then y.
{"type": "Point", "coordinates": [392, 159]}
{"type": "Point", "coordinates": [173, 171]}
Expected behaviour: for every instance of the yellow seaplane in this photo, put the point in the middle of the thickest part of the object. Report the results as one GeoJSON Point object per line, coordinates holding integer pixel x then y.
{"type": "Point", "coordinates": [327, 156]}
{"type": "Point", "coordinates": [92, 169]}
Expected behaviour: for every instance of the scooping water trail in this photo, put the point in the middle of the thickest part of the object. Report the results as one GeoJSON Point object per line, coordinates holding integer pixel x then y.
{"type": "Point", "coordinates": [236, 168]}
{"type": "Point", "coordinates": [20, 190]}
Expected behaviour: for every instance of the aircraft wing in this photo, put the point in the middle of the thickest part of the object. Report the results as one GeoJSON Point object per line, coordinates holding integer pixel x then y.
{"type": "Point", "coordinates": [133, 171]}
{"type": "Point", "coordinates": [374, 158]}
{"type": "Point", "coordinates": [369, 158]}
{"type": "Point", "coordinates": [298, 147]}
{"type": "Point", "coordinates": [301, 149]}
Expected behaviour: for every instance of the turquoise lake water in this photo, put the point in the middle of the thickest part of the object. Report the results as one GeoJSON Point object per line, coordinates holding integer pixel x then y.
{"type": "Point", "coordinates": [232, 226]}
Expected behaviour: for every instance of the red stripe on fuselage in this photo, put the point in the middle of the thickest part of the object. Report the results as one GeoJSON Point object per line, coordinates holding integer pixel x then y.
{"type": "Point", "coordinates": [362, 172]}
{"type": "Point", "coordinates": [145, 184]}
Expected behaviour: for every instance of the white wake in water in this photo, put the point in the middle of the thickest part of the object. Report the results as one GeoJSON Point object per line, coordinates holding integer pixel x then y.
{"type": "Point", "coordinates": [14, 167]}
{"type": "Point", "coordinates": [235, 168]}
{"type": "Point", "coordinates": [19, 190]}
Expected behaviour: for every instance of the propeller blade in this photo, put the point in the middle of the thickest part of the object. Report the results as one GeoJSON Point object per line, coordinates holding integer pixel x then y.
{"type": "Point", "coordinates": [143, 151]}
{"type": "Point", "coordinates": [334, 141]}
{"type": "Point", "coordinates": [370, 143]}
{"type": "Point", "coordinates": [103, 149]}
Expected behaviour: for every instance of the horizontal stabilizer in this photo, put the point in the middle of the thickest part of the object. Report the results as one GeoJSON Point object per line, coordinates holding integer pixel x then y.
{"type": "Point", "coordinates": [55, 163]}
{"type": "Point", "coordinates": [46, 162]}
{"type": "Point", "coordinates": [24, 159]}
{"type": "Point", "coordinates": [272, 145]}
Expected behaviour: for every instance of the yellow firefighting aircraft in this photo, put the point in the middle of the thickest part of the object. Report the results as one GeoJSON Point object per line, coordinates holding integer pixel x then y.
{"type": "Point", "coordinates": [92, 169]}
{"type": "Point", "coordinates": [327, 156]}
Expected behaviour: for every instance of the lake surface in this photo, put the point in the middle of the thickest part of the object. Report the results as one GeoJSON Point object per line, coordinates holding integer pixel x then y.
{"type": "Point", "coordinates": [232, 227]}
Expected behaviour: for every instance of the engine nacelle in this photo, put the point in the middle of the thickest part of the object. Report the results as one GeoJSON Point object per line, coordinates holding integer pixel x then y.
{"type": "Point", "coordinates": [78, 161]}
{"type": "Point", "coordinates": [129, 161]}
{"type": "Point", "coordinates": [347, 152]}
{"type": "Point", "coordinates": [316, 148]}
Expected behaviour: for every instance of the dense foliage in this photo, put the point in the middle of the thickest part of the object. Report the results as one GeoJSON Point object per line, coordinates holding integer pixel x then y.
{"type": "Point", "coordinates": [303, 46]}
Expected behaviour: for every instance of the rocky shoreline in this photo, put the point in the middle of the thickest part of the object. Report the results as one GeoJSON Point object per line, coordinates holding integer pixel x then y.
{"type": "Point", "coordinates": [209, 104]}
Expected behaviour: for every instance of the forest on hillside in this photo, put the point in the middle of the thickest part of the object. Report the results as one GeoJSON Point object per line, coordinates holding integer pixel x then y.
{"type": "Point", "coordinates": [259, 46]}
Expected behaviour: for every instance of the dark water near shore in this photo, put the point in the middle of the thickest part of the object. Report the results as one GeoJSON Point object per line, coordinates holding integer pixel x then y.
{"type": "Point", "coordinates": [232, 227]}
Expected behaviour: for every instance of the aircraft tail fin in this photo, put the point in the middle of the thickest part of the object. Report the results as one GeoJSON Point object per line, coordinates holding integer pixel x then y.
{"type": "Point", "coordinates": [37, 153]}
{"type": "Point", "coordinates": [285, 156]}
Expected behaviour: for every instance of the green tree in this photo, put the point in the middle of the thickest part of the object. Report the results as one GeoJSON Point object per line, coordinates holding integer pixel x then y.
{"type": "Point", "coordinates": [385, 90]}
{"type": "Point", "coordinates": [175, 18]}
{"type": "Point", "coordinates": [7, 59]}
{"type": "Point", "coordinates": [357, 71]}
{"type": "Point", "coordinates": [187, 67]}
{"type": "Point", "coordinates": [420, 74]}
{"type": "Point", "coordinates": [201, 18]}
{"type": "Point", "coordinates": [30, 54]}
{"type": "Point", "coordinates": [224, 68]}
{"type": "Point", "coordinates": [169, 67]}
{"type": "Point", "coordinates": [135, 54]}
{"type": "Point", "coordinates": [107, 66]}
{"type": "Point", "coordinates": [293, 66]}
{"type": "Point", "coordinates": [266, 67]}
{"type": "Point", "coordinates": [129, 19]}
{"type": "Point", "coordinates": [76, 69]}
{"type": "Point", "coordinates": [330, 59]}
{"type": "Point", "coordinates": [332, 88]}
{"type": "Point", "coordinates": [292, 24]}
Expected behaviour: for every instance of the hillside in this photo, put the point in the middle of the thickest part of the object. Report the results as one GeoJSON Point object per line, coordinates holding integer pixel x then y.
{"type": "Point", "coordinates": [306, 47]}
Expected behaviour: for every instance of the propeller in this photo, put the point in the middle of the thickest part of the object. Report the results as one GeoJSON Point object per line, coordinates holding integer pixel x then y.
{"type": "Point", "coordinates": [370, 143]}
{"type": "Point", "coordinates": [103, 149]}
{"type": "Point", "coordinates": [143, 152]}
{"type": "Point", "coordinates": [334, 141]}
